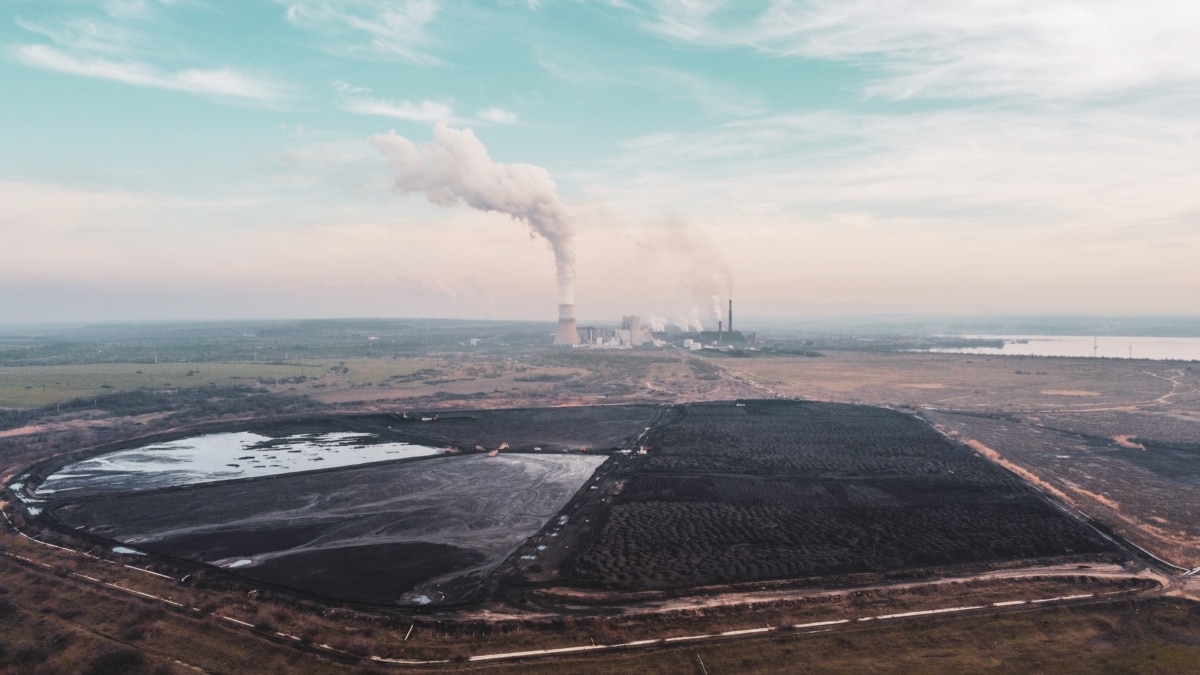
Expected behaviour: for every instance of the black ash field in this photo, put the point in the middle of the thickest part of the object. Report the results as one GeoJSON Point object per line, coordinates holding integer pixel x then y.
{"type": "Point", "coordinates": [758, 490]}
{"type": "Point", "coordinates": [726, 492]}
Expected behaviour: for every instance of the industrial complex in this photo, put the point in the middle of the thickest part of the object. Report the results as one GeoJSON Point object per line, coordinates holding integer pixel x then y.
{"type": "Point", "coordinates": [634, 333]}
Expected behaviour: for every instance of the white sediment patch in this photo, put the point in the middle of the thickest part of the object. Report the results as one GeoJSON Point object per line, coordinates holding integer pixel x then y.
{"type": "Point", "coordinates": [224, 456]}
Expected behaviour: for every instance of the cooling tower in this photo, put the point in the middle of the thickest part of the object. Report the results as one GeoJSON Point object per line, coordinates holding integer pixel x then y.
{"type": "Point", "coordinates": [568, 333]}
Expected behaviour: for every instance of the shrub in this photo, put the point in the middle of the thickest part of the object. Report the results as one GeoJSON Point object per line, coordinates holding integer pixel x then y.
{"type": "Point", "coordinates": [116, 662]}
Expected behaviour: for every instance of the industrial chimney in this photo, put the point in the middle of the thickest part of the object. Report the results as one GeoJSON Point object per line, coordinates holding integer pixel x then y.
{"type": "Point", "coordinates": [568, 332]}
{"type": "Point", "coordinates": [730, 324]}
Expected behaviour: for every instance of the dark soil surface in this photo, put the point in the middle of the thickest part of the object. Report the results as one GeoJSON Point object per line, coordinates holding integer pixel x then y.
{"type": "Point", "coordinates": [1177, 461]}
{"type": "Point", "coordinates": [594, 427]}
{"type": "Point", "coordinates": [728, 492]}
{"type": "Point", "coordinates": [774, 489]}
{"type": "Point", "coordinates": [227, 544]}
{"type": "Point", "coordinates": [378, 573]}
{"type": "Point", "coordinates": [388, 532]}
{"type": "Point", "coordinates": [437, 516]}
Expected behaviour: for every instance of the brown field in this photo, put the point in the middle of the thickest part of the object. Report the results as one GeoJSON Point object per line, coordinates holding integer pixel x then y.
{"type": "Point", "coordinates": [1118, 440]}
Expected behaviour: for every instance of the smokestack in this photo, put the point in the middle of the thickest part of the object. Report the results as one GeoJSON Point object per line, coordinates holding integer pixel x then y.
{"type": "Point", "coordinates": [718, 330]}
{"type": "Point", "coordinates": [568, 332]}
{"type": "Point", "coordinates": [730, 324]}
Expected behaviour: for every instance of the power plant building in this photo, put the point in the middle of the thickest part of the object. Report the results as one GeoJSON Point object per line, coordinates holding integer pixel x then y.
{"type": "Point", "coordinates": [568, 332]}
{"type": "Point", "coordinates": [630, 334]}
{"type": "Point", "coordinates": [633, 334]}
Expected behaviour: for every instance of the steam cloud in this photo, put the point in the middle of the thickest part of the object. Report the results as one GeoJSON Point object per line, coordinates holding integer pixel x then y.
{"type": "Point", "coordinates": [455, 167]}
{"type": "Point", "coordinates": [697, 265]}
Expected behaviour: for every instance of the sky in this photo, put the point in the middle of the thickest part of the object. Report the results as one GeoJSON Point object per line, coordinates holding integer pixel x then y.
{"type": "Point", "coordinates": [200, 159]}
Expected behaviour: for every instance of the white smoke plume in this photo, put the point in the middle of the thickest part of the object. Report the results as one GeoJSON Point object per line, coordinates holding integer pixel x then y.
{"type": "Point", "coordinates": [687, 254]}
{"type": "Point", "coordinates": [423, 287]}
{"type": "Point", "coordinates": [455, 167]}
{"type": "Point", "coordinates": [680, 321]}
{"type": "Point", "coordinates": [657, 324]}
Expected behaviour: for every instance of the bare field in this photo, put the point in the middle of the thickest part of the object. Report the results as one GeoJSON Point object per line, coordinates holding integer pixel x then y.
{"type": "Point", "coordinates": [761, 490]}
{"type": "Point", "coordinates": [1075, 424]}
{"type": "Point", "coordinates": [730, 492]}
{"type": "Point", "coordinates": [35, 386]}
{"type": "Point", "coordinates": [1118, 440]}
{"type": "Point", "coordinates": [969, 382]}
{"type": "Point", "coordinates": [42, 385]}
{"type": "Point", "coordinates": [555, 377]}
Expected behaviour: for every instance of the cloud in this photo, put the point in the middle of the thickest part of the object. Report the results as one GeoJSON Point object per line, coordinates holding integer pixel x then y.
{"type": "Point", "coordinates": [220, 83]}
{"type": "Point", "coordinates": [1049, 49]}
{"type": "Point", "coordinates": [132, 9]}
{"type": "Point", "coordinates": [435, 288]}
{"type": "Point", "coordinates": [359, 101]}
{"type": "Point", "coordinates": [1100, 171]}
{"type": "Point", "coordinates": [112, 49]}
{"type": "Point", "coordinates": [74, 253]}
{"type": "Point", "coordinates": [498, 116]}
{"type": "Point", "coordinates": [331, 155]}
{"type": "Point", "coordinates": [425, 111]}
{"type": "Point", "coordinates": [83, 34]}
{"type": "Point", "coordinates": [711, 95]}
{"type": "Point", "coordinates": [687, 255]}
{"type": "Point", "coordinates": [388, 29]}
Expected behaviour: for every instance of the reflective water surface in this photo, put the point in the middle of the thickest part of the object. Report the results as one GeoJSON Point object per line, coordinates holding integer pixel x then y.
{"type": "Point", "coordinates": [224, 456]}
{"type": "Point", "coordinates": [1113, 347]}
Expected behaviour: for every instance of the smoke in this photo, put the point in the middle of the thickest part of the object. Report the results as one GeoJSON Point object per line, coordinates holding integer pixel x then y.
{"type": "Point", "coordinates": [421, 287]}
{"type": "Point", "coordinates": [687, 254]}
{"type": "Point", "coordinates": [705, 272]}
{"type": "Point", "coordinates": [657, 324]}
{"type": "Point", "coordinates": [688, 322]}
{"type": "Point", "coordinates": [455, 167]}
{"type": "Point", "coordinates": [679, 320]}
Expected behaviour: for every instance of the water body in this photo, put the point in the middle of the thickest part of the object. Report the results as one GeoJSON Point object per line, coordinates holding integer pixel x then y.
{"type": "Point", "coordinates": [224, 456]}
{"type": "Point", "coordinates": [1112, 347]}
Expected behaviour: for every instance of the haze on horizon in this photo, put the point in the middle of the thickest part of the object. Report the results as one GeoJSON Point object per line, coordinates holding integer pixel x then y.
{"type": "Point", "coordinates": [184, 159]}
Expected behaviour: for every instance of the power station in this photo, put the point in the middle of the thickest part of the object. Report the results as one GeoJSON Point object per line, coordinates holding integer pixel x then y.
{"type": "Point", "coordinates": [633, 333]}
{"type": "Point", "coordinates": [568, 332]}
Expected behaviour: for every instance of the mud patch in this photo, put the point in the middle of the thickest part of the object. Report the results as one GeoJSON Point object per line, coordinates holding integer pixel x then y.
{"type": "Point", "coordinates": [213, 546]}
{"type": "Point", "coordinates": [373, 574]}
{"type": "Point", "coordinates": [474, 508]}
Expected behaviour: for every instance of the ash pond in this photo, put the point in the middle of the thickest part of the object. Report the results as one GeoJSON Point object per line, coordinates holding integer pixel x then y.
{"type": "Point", "coordinates": [224, 456]}
{"type": "Point", "coordinates": [422, 532]}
